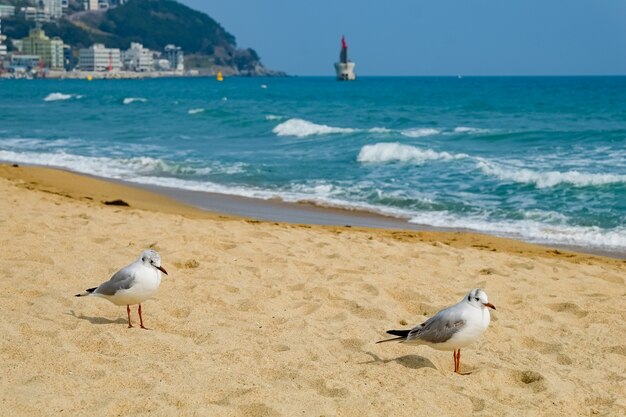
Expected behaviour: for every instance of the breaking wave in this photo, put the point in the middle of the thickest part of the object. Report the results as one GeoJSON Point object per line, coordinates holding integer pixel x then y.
{"type": "Point", "coordinates": [303, 128]}
{"type": "Point", "coordinates": [129, 100]}
{"type": "Point", "coordinates": [471, 130]}
{"type": "Point", "coordinates": [397, 152]}
{"type": "Point", "coordinates": [548, 179]}
{"type": "Point", "coordinates": [419, 132]}
{"type": "Point", "coordinates": [61, 97]}
{"type": "Point", "coordinates": [195, 111]}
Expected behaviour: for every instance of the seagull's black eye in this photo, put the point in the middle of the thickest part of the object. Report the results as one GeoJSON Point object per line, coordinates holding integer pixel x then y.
{"type": "Point", "coordinates": [476, 299]}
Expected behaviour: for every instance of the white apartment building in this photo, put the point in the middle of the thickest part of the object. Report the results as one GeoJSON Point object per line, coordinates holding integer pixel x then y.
{"type": "Point", "coordinates": [53, 8]}
{"type": "Point", "coordinates": [7, 11]}
{"type": "Point", "coordinates": [174, 54]}
{"type": "Point", "coordinates": [3, 47]}
{"type": "Point", "coordinates": [99, 58]}
{"type": "Point", "coordinates": [137, 58]}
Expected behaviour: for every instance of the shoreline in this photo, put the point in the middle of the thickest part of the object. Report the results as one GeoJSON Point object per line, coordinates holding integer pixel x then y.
{"type": "Point", "coordinates": [224, 206]}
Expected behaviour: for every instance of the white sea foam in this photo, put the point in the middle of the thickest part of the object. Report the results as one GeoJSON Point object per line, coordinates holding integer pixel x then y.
{"type": "Point", "coordinates": [529, 230]}
{"type": "Point", "coordinates": [118, 168]}
{"type": "Point", "coordinates": [101, 166]}
{"type": "Point", "coordinates": [303, 128]}
{"type": "Point", "coordinates": [419, 132]}
{"type": "Point", "coordinates": [380, 130]}
{"type": "Point", "coordinates": [470, 130]}
{"type": "Point", "coordinates": [195, 111]}
{"type": "Point", "coordinates": [61, 97]}
{"type": "Point", "coordinates": [397, 152]}
{"type": "Point", "coordinates": [129, 100]}
{"type": "Point", "coordinates": [32, 143]}
{"type": "Point", "coordinates": [548, 179]}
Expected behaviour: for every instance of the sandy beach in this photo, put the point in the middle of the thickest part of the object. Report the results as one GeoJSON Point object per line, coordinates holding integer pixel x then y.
{"type": "Point", "coordinates": [274, 319]}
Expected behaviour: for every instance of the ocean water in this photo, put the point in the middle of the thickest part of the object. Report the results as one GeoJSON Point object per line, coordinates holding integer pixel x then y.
{"type": "Point", "coordinates": [538, 159]}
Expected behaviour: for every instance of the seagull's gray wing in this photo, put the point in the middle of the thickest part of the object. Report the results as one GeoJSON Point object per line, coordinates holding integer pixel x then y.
{"type": "Point", "coordinates": [439, 328]}
{"type": "Point", "coordinates": [121, 280]}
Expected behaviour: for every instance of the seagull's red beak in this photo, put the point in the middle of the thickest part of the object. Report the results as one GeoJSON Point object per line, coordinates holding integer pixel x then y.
{"type": "Point", "coordinates": [489, 305]}
{"type": "Point", "coordinates": [160, 268]}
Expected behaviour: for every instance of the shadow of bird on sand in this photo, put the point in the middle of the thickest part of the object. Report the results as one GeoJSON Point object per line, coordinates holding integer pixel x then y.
{"type": "Point", "coordinates": [409, 361]}
{"type": "Point", "coordinates": [97, 320]}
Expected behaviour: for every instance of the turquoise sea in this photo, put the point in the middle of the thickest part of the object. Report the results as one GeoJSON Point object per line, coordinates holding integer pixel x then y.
{"type": "Point", "coordinates": [534, 158]}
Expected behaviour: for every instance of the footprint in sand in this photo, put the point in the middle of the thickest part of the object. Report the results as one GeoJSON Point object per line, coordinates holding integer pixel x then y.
{"type": "Point", "coordinates": [258, 409]}
{"type": "Point", "coordinates": [570, 308]}
{"type": "Point", "coordinates": [322, 389]}
{"type": "Point", "coordinates": [353, 344]}
{"type": "Point", "coordinates": [531, 379]}
{"type": "Point", "coordinates": [542, 347]}
{"type": "Point", "coordinates": [281, 348]}
{"type": "Point", "coordinates": [189, 264]}
{"type": "Point", "coordinates": [180, 313]}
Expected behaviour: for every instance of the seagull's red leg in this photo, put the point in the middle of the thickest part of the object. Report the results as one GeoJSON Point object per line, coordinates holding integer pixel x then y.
{"type": "Point", "coordinates": [454, 357]}
{"type": "Point", "coordinates": [141, 318]}
{"type": "Point", "coordinates": [458, 360]}
{"type": "Point", "coordinates": [128, 312]}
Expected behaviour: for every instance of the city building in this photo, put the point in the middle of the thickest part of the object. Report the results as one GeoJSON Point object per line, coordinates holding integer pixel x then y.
{"type": "Point", "coordinates": [6, 11]}
{"type": "Point", "coordinates": [137, 58]}
{"type": "Point", "coordinates": [174, 54]}
{"type": "Point", "coordinates": [38, 14]}
{"type": "Point", "coordinates": [99, 58]}
{"type": "Point", "coordinates": [104, 4]}
{"type": "Point", "coordinates": [18, 45]}
{"type": "Point", "coordinates": [3, 47]}
{"type": "Point", "coordinates": [30, 13]}
{"type": "Point", "coordinates": [49, 50]}
{"type": "Point", "coordinates": [53, 8]}
{"type": "Point", "coordinates": [25, 62]}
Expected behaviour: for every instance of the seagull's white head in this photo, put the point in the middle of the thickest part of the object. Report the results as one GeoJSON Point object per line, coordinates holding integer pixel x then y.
{"type": "Point", "coordinates": [151, 258]}
{"type": "Point", "coordinates": [478, 298]}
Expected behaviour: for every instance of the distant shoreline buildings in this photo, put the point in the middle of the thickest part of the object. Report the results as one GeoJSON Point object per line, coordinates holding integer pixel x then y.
{"type": "Point", "coordinates": [47, 10]}
{"type": "Point", "coordinates": [80, 38]}
{"type": "Point", "coordinates": [37, 55]}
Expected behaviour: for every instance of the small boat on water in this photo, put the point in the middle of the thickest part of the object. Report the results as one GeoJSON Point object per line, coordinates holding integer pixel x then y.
{"type": "Point", "coordinates": [345, 67]}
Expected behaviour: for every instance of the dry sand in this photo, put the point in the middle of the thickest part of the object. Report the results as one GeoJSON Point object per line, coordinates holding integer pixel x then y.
{"type": "Point", "coordinates": [268, 319]}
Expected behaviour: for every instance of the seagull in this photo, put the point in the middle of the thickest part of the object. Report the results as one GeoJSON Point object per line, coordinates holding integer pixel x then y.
{"type": "Point", "coordinates": [451, 328]}
{"type": "Point", "coordinates": [132, 284]}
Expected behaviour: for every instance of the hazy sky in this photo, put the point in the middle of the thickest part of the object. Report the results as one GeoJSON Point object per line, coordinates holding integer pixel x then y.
{"type": "Point", "coordinates": [431, 37]}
